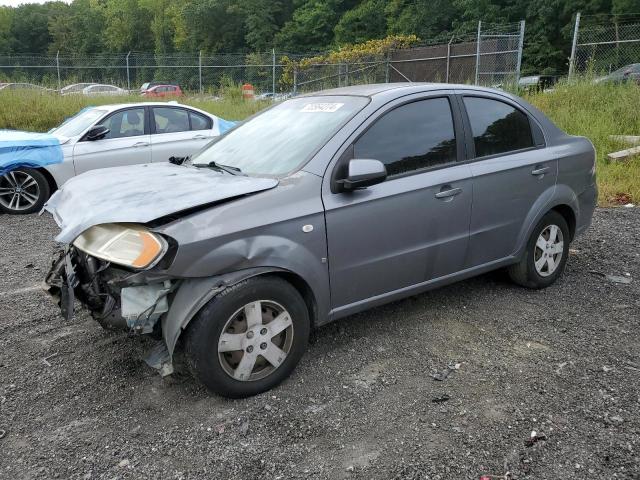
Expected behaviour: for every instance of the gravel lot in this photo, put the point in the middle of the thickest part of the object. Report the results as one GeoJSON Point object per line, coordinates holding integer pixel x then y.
{"type": "Point", "coordinates": [78, 402]}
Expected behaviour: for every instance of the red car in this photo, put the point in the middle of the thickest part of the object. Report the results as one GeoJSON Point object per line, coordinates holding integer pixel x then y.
{"type": "Point", "coordinates": [163, 91]}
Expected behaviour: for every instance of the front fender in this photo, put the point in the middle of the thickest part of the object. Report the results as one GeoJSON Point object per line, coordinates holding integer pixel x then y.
{"type": "Point", "coordinates": [193, 294]}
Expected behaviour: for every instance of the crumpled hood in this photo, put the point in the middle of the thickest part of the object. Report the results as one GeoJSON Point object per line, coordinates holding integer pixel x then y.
{"type": "Point", "coordinates": [140, 194]}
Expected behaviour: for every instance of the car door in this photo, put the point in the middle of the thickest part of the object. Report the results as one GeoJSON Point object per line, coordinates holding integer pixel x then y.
{"type": "Point", "coordinates": [412, 227]}
{"type": "Point", "coordinates": [178, 132]}
{"type": "Point", "coordinates": [127, 143]}
{"type": "Point", "coordinates": [511, 174]}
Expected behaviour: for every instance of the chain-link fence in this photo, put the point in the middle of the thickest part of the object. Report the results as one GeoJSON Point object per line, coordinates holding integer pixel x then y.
{"type": "Point", "coordinates": [194, 73]}
{"type": "Point", "coordinates": [604, 43]}
{"type": "Point", "coordinates": [489, 56]}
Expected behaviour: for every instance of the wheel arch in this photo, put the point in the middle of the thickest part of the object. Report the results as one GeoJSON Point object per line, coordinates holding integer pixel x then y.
{"type": "Point", "coordinates": [194, 293]}
{"type": "Point", "coordinates": [53, 186]}
{"type": "Point", "coordinates": [570, 217]}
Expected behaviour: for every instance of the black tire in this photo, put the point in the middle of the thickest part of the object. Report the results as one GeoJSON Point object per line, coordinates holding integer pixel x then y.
{"type": "Point", "coordinates": [41, 189]}
{"type": "Point", "coordinates": [525, 273]}
{"type": "Point", "coordinates": [203, 334]}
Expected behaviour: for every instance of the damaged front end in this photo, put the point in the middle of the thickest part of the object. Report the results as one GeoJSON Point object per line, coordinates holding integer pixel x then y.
{"type": "Point", "coordinates": [116, 298]}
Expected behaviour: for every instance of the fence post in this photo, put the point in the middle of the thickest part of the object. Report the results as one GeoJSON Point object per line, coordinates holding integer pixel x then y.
{"type": "Point", "coordinates": [574, 45]}
{"type": "Point", "coordinates": [346, 74]}
{"type": "Point", "coordinates": [128, 76]}
{"type": "Point", "coordinates": [58, 69]}
{"type": "Point", "coordinates": [295, 80]}
{"type": "Point", "coordinates": [273, 80]}
{"type": "Point", "coordinates": [448, 60]}
{"type": "Point", "coordinates": [478, 51]}
{"type": "Point", "coordinates": [520, 45]}
{"type": "Point", "coordinates": [200, 71]}
{"type": "Point", "coordinates": [386, 72]}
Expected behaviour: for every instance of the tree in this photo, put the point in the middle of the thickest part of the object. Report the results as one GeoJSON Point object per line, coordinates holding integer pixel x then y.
{"type": "Point", "coordinates": [364, 22]}
{"type": "Point", "coordinates": [424, 18]}
{"type": "Point", "coordinates": [29, 32]}
{"type": "Point", "coordinates": [311, 27]}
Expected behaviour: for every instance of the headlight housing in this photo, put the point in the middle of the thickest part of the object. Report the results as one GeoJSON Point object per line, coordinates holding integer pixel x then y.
{"type": "Point", "coordinates": [126, 244]}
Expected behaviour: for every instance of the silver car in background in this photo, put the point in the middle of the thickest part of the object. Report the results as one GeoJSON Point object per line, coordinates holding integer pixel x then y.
{"type": "Point", "coordinates": [110, 136]}
{"type": "Point", "coordinates": [318, 208]}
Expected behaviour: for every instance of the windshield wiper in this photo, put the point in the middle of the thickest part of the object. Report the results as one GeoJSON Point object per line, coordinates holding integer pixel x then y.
{"type": "Point", "coordinates": [225, 168]}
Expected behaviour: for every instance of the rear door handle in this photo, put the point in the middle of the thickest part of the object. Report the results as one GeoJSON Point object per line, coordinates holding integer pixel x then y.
{"type": "Point", "coordinates": [140, 144]}
{"type": "Point", "coordinates": [539, 171]}
{"type": "Point", "coordinates": [451, 192]}
{"type": "Point", "coordinates": [199, 137]}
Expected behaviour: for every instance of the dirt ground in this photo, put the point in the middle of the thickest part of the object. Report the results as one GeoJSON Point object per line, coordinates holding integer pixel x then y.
{"type": "Point", "coordinates": [78, 402]}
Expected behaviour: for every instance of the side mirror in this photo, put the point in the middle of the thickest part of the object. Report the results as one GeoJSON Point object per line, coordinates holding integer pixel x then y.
{"type": "Point", "coordinates": [363, 173]}
{"type": "Point", "coordinates": [97, 132]}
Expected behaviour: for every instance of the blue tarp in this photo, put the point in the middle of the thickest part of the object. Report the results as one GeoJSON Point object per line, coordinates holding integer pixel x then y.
{"type": "Point", "coordinates": [28, 149]}
{"type": "Point", "coordinates": [224, 125]}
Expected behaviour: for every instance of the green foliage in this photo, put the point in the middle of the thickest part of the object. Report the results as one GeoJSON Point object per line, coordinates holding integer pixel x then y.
{"type": "Point", "coordinates": [311, 27]}
{"type": "Point", "coordinates": [34, 111]}
{"type": "Point", "coordinates": [598, 111]}
{"type": "Point", "coordinates": [362, 23]}
{"type": "Point", "coordinates": [89, 27]}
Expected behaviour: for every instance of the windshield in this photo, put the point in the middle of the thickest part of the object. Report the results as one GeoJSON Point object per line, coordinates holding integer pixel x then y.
{"type": "Point", "coordinates": [79, 122]}
{"type": "Point", "coordinates": [283, 138]}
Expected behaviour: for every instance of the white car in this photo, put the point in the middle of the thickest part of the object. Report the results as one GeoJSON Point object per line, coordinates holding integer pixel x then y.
{"type": "Point", "coordinates": [111, 136]}
{"type": "Point", "coordinates": [99, 89]}
{"type": "Point", "coordinates": [75, 88]}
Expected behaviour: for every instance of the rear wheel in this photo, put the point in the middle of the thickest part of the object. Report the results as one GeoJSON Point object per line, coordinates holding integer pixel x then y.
{"type": "Point", "coordinates": [249, 338]}
{"type": "Point", "coordinates": [546, 254]}
{"type": "Point", "coordinates": [23, 191]}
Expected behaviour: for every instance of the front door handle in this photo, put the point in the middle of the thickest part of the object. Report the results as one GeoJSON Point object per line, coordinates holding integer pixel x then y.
{"type": "Point", "coordinates": [140, 144]}
{"type": "Point", "coordinates": [450, 192]}
{"type": "Point", "coordinates": [539, 171]}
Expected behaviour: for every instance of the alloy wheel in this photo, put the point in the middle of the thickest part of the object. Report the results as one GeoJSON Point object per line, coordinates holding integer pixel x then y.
{"type": "Point", "coordinates": [255, 340]}
{"type": "Point", "coordinates": [18, 191]}
{"type": "Point", "coordinates": [549, 250]}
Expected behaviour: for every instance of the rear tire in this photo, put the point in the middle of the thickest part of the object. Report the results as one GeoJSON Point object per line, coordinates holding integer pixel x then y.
{"type": "Point", "coordinates": [23, 191]}
{"type": "Point", "coordinates": [233, 347]}
{"type": "Point", "coordinates": [546, 254]}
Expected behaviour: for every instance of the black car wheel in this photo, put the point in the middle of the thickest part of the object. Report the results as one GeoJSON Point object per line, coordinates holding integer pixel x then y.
{"type": "Point", "coordinates": [248, 338]}
{"type": "Point", "coordinates": [546, 254]}
{"type": "Point", "coordinates": [23, 191]}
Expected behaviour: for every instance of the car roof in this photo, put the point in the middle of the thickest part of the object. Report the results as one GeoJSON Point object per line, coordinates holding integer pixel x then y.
{"type": "Point", "coordinates": [402, 88]}
{"type": "Point", "coordinates": [116, 106]}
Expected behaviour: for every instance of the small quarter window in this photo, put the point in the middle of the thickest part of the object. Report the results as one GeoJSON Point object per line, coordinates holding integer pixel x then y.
{"type": "Point", "coordinates": [199, 122]}
{"type": "Point", "coordinates": [497, 127]}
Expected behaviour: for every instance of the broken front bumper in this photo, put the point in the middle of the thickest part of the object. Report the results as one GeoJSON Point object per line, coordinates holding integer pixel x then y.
{"type": "Point", "coordinates": [115, 297]}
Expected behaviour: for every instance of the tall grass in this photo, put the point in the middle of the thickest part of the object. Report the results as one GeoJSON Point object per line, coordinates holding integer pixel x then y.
{"type": "Point", "coordinates": [35, 111]}
{"type": "Point", "coordinates": [583, 108]}
{"type": "Point", "coordinates": [597, 111]}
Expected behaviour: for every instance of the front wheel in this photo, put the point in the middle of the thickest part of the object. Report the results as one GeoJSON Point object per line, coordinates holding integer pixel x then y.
{"type": "Point", "coordinates": [248, 338]}
{"type": "Point", "coordinates": [23, 191]}
{"type": "Point", "coordinates": [546, 254]}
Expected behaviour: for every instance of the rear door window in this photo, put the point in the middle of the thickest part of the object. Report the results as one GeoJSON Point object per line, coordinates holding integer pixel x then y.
{"type": "Point", "coordinates": [497, 127]}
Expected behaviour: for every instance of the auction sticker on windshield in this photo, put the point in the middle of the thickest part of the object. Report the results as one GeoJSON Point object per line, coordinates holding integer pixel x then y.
{"type": "Point", "coordinates": [321, 107]}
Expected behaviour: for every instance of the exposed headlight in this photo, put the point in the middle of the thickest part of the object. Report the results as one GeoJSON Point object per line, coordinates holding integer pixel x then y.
{"type": "Point", "coordinates": [122, 243]}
